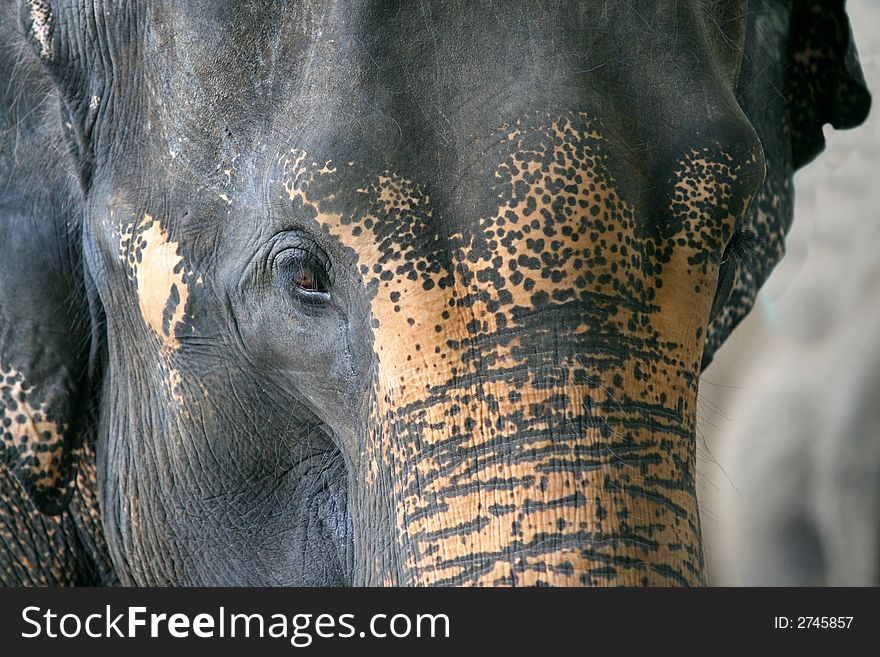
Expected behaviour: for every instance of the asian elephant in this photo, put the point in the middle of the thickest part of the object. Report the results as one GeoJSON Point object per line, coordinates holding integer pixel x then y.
{"type": "Point", "coordinates": [384, 292]}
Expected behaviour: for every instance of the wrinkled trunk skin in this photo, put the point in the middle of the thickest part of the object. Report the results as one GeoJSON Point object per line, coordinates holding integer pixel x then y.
{"type": "Point", "coordinates": [532, 419]}
{"type": "Point", "coordinates": [540, 468]}
{"type": "Point", "coordinates": [551, 455]}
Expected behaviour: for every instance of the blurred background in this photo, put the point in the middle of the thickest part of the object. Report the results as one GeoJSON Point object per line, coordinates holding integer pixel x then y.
{"type": "Point", "coordinates": [789, 412]}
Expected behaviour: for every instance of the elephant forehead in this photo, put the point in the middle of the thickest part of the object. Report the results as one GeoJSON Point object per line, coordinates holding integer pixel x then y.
{"type": "Point", "coordinates": [557, 230]}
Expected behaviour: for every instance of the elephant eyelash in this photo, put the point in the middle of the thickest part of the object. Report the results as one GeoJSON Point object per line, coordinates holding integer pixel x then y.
{"type": "Point", "coordinates": [306, 278]}
{"type": "Point", "coordinates": [310, 284]}
{"type": "Point", "coordinates": [742, 245]}
{"type": "Point", "coordinates": [305, 274]}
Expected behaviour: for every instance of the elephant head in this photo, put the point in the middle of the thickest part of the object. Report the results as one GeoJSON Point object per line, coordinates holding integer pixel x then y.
{"type": "Point", "coordinates": [396, 293]}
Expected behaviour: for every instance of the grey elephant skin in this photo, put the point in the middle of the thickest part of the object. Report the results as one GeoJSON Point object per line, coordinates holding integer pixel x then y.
{"type": "Point", "coordinates": [384, 293]}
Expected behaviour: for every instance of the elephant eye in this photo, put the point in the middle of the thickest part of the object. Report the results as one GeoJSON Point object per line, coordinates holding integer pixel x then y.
{"type": "Point", "coordinates": [310, 283]}
{"type": "Point", "coordinates": [308, 280]}
{"type": "Point", "coordinates": [306, 276]}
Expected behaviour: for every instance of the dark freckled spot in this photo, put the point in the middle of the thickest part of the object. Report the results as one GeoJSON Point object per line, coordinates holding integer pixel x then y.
{"type": "Point", "coordinates": [473, 326]}
{"type": "Point", "coordinates": [534, 245]}
{"type": "Point", "coordinates": [395, 297]}
{"type": "Point", "coordinates": [540, 298]}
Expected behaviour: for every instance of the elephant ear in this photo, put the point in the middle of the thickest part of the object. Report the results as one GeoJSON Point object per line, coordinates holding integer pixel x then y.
{"type": "Point", "coordinates": [825, 80]}
{"type": "Point", "coordinates": [804, 48]}
{"type": "Point", "coordinates": [69, 38]}
{"type": "Point", "coordinates": [44, 314]}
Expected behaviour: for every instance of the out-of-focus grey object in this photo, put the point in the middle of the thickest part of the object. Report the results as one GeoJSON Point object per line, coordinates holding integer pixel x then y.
{"type": "Point", "coordinates": [805, 457]}
{"type": "Point", "coordinates": [791, 407]}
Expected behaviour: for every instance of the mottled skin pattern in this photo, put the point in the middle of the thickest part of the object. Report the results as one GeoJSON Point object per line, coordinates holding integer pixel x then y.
{"type": "Point", "coordinates": [377, 292]}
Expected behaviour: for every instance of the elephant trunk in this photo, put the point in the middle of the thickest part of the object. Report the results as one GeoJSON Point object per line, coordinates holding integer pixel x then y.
{"type": "Point", "coordinates": [551, 460]}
